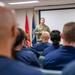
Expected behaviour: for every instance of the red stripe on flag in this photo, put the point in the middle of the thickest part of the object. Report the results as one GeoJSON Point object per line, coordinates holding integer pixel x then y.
{"type": "Point", "coordinates": [27, 31]}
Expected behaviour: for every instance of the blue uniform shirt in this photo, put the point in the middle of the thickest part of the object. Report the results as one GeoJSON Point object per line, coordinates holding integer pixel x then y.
{"type": "Point", "coordinates": [30, 49]}
{"type": "Point", "coordinates": [70, 69]}
{"type": "Point", "coordinates": [41, 46]}
{"type": "Point", "coordinates": [51, 48]}
{"type": "Point", "coordinates": [12, 67]}
{"type": "Point", "coordinates": [27, 57]}
{"type": "Point", "coordinates": [59, 58]}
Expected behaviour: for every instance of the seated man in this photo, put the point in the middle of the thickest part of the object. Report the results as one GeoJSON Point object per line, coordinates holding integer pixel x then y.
{"type": "Point", "coordinates": [28, 57]}
{"type": "Point", "coordinates": [58, 59]}
{"type": "Point", "coordinates": [44, 44]}
{"type": "Point", "coordinates": [55, 38]}
{"type": "Point", "coordinates": [8, 31]}
{"type": "Point", "coordinates": [69, 69]}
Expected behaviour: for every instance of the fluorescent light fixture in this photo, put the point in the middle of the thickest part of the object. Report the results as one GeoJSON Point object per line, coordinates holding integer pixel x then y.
{"type": "Point", "coordinates": [2, 4]}
{"type": "Point", "coordinates": [26, 2]}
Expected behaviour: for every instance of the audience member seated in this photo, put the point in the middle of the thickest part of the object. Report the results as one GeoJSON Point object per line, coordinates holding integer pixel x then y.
{"type": "Point", "coordinates": [55, 38]}
{"type": "Point", "coordinates": [8, 31]}
{"type": "Point", "coordinates": [28, 57]}
{"type": "Point", "coordinates": [58, 59]}
{"type": "Point", "coordinates": [27, 47]}
{"type": "Point", "coordinates": [44, 44]}
{"type": "Point", "coordinates": [69, 69]}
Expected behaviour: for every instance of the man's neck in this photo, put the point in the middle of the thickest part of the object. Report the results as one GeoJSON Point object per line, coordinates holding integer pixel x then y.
{"type": "Point", "coordinates": [18, 48]}
{"type": "Point", "coordinates": [5, 50]}
{"type": "Point", "coordinates": [44, 40]}
{"type": "Point", "coordinates": [42, 24]}
{"type": "Point", "coordinates": [68, 44]}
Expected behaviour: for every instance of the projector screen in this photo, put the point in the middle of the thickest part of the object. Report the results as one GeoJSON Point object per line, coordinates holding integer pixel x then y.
{"type": "Point", "coordinates": [55, 19]}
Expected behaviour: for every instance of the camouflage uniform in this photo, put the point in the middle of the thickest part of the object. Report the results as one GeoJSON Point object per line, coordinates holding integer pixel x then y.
{"type": "Point", "coordinates": [39, 29]}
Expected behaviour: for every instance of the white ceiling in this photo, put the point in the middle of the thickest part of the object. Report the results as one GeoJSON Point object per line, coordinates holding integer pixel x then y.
{"type": "Point", "coordinates": [41, 3]}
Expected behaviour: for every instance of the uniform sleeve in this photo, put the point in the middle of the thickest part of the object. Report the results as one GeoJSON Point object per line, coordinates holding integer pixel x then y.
{"type": "Point", "coordinates": [31, 59]}
{"type": "Point", "coordinates": [36, 31]}
{"type": "Point", "coordinates": [34, 61]}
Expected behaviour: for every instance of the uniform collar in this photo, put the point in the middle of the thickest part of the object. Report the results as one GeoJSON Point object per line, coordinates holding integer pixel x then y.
{"type": "Point", "coordinates": [68, 48]}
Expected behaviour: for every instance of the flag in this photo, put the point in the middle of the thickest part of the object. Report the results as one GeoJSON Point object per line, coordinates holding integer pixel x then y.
{"type": "Point", "coordinates": [27, 31]}
{"type": "Point", "coordinates": [33, 35]}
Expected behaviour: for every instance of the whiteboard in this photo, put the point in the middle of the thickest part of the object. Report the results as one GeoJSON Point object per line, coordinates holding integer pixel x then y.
{"type": "Point", "coordinates": [55, 19]}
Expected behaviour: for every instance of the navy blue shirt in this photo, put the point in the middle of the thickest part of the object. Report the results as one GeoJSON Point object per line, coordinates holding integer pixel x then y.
{"type": "Point", "coordinates": [41, 46]}
{"type": "Point", "coordinates": [27, 57]}
{"type": "Point", "coordinates": [30, 49]}
{"type": "Point", "coordinates": [70, 69]}
{"type": "Point", "coordinates": [12, 67]}
{"type": "Point", "coordinates": [51, 48]}
{"type": "Point", "coordinates": [59, 58]}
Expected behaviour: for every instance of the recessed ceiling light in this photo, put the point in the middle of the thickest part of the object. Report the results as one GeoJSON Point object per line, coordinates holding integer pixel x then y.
{"type": "Point", "coordinates": [26, 2]}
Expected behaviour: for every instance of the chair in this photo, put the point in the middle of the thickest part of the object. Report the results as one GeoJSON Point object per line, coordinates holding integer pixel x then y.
{"type": "Point", "coordinates": [51, 72]}
{"type": "Point", "coordinates": [41, 59]}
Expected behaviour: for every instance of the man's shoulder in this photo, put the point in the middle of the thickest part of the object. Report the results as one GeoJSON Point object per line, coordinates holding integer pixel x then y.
{"type": "Point", "coordinates": [29, 53]}
{"type": "Point", "coordinates": [13, 67]}
{"type": "Point", "coordinates": [37, 26]}
{"type": "Point", "coordinates": [42, 44]}
{"type": "Point", "coordinates": [49, 44]}
{"type": "Point", "coordinates": [70, 69]}
{"type": "Point", "coordinates": [37, 44]}
{"type": "Point", "coordinates": [24, 54]}
{"type": "Point", "coordinates": [53, 54]}
{"type": "Point", "coordinates": [46, 26]}
{"type": "Point", "coordinates": [18, 68]}
{"type": "Point", "coordinates": [52, 47]}
{"type": "Point", "coordinates": [48, 48]}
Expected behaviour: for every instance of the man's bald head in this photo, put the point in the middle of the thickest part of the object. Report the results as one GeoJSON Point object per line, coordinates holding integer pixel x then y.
{"type": "Point", "coordinates": [7, 21]}
{"type": "Point", "coordinates": [8, 30]}
{"type": "Point", "coordinates": [45, 35]}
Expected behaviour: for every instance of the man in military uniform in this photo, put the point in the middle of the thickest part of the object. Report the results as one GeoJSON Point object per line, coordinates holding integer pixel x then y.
{"type": "Point", "coordinates": [40, 28]}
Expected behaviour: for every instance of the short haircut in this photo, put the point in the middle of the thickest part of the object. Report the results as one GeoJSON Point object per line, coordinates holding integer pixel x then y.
{"type": "Point", "coordinates": [20, 37]}
{"type": "Point", "coordinates": [42, 18]}
{"type": "Point", "coordinates": [69, 32]}
{"type": "Point", "coordinates": [45, 35]}
{"type": "Point", "coordinates": [55, 37]}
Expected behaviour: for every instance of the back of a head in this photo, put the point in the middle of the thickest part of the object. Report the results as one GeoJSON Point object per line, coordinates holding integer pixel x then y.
{"type": "Point", "coordinates": [55, 37]}
{"type": "Point", "coordinates": [45, 36]}
{"type": "Point", "coordinates": [7, 21]}
{"type": "Point", "coordinates": [69, 32]}
{"type": "Point", "coordinates": [20, 37]}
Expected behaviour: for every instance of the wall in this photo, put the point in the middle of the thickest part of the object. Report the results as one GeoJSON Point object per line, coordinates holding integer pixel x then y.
{"type": "Point", "coordinates": [21, 17]}
{"type": "Point", "coordinates": [56, 19]}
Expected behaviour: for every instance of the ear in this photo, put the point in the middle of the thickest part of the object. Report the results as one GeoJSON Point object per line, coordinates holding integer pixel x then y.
{"type": "Point", "coordinates": [50, 38]}
{"type": "Point", "coordinates": [23, 42]}
{"type": "Point", "coordinates": [61, 34]}
{"type": "Point", "coordinates": [14, 31]}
